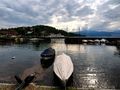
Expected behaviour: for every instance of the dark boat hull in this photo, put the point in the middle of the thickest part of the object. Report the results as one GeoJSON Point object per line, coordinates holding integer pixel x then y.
{"type": "Point", "coordinates": [47, 57]}
{"type": "Point", "coordinates": [49, 52]}
{"type": "Point", "coordinates": [47, 63]}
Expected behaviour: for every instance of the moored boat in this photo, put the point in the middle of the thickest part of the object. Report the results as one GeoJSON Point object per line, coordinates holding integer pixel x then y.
{"type": "Point", "coordinates": [47, 57]}
{"type": "Point", "coordinates": [48, 54]}
{"type": "Point", "coordinates": [63, 67]}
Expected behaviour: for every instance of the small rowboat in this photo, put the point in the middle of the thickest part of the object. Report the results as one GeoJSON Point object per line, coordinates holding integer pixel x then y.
{"type": "Point", "coordinates": [47, 57]}
{"type": "Point", "coordinates": [63, 67]}
{"type": "Point", "coordinates": [48, 54]}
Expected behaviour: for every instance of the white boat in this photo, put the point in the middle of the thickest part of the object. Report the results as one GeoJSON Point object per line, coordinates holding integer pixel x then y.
{"type": "Point", "coordinates": [103, 40]}
{"type": "Point", "coordinates": [84, 41]}
{"type": "Point", "coordinates": [63, 67]}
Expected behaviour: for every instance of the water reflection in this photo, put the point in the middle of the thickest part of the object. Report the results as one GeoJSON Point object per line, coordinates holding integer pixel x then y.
{"type": "Point", "coordinates": [95, 66]}
{"type": "Point", "coordinates": [59, 46]}
{"type": "Point", "coordinates": [117, 52]}
{"type": "Point", "coordinates": [91, 80]}
{"type": "Point", "coordinates": [36, 44]}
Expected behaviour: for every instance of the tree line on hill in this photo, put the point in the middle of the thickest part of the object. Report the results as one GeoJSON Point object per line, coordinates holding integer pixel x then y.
{"type": "Point", "coordinates": [38, 30]}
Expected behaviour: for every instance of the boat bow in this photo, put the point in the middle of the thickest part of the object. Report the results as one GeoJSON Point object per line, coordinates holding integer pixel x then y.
{"type": "Point", "coordinates": [63, 67]}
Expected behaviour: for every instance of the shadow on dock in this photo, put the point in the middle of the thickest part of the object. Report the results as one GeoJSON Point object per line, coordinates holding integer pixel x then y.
{"type": "Point", "coordinates": [46, 64]}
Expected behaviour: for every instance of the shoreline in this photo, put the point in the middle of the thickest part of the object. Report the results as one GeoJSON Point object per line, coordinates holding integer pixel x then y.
{"type": "Point", "coordinates": [33, 86]}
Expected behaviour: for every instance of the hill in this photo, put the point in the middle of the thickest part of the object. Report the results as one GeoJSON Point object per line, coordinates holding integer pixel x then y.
{"type": "Point", "coordinates": [38, 30]}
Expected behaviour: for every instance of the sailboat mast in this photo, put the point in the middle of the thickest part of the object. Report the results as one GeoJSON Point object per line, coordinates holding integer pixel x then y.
{"type": "Point", "coordinates": [79, 30]}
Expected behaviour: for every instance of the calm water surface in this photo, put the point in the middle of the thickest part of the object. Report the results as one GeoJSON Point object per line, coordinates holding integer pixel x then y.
{"type": "Point", "coordinates": [96, 66]}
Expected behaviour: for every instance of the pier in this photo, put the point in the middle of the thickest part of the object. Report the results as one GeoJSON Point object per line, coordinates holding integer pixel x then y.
{"type": "Point", "coordinates": [79, 40]}
{"type": "Point", "coordinates": [68, 40]}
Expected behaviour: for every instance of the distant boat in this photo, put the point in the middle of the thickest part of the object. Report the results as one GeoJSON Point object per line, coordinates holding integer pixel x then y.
{"type": "Point", "coordinates": [48, 54]}
{"type": "Point", "coordinates": [103, 40]}
{"type": "Point", "coordinates": [84, 41]}
{"type": "Point", "coordinates": [97, 40]}
{"type": "Point", "coordinates": [34, 39]}
{"type": "Point", "coordinates": [13, 57]}
{"type": "Point", "coordinates": [63, 67]}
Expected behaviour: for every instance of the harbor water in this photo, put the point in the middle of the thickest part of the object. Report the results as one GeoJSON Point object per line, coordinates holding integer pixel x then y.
{"type": "Point", "coordinates": [95, 66]}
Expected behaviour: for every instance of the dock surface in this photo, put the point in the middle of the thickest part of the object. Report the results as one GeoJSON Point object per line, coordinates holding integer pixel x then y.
{"type": "Point", "coordinates": [5, 86]}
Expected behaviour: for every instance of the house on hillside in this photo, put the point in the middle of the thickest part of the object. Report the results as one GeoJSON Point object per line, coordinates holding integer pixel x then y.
{"type": "Point", "coordinates": [11, 33]}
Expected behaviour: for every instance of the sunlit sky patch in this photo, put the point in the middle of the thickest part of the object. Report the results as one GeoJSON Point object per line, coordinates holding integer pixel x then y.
{"type": "Point", "coordinates": [71, 15]}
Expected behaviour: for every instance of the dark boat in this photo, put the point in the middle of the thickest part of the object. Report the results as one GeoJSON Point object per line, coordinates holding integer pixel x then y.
{"type": "Point", "coordinates": [47, 57]}
{"type": "Point", "coordinates": [48, 54]}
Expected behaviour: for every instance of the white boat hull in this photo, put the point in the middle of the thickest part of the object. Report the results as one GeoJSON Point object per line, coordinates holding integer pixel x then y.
{"type": "Point", "coordinates": [63, 67]}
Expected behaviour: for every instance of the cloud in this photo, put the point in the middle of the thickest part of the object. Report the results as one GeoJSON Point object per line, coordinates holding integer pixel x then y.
{"type": "Point", "coordinates": [74, 14]}
{"type": "Point", "coordinates": [113, 14]}
{"type": "Point", "coordinates": [86, 10]}
{"type": "Point", "coordinates": [114, 25]}
{"type": "Point", "coordinates": [105, 14]}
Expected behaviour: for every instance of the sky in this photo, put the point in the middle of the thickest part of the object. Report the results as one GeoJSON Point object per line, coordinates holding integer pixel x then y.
{"type": "Point", "coordinates": [70, 15]}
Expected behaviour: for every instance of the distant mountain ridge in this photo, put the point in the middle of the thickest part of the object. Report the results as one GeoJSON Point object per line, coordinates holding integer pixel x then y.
{"type": "Point", "coordinates": [99, 33]}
